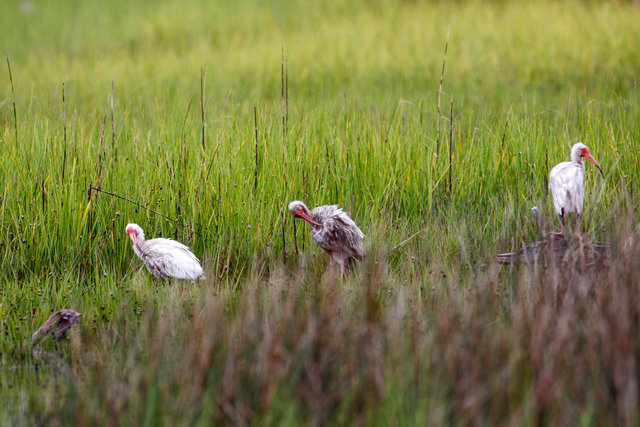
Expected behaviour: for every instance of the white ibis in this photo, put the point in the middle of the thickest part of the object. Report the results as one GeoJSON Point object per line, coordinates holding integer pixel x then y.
{"type": "Point", "coordinates": [165, 258]}
{"type": "Point", "coordinates": [333, 230]}
{"type": "Point", "coordinates": [566, 182]}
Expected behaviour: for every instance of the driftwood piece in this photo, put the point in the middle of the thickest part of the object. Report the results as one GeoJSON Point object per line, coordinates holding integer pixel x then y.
{"type": "Point", "coordinates": [58, 324]}
{"type": "Point", "coordinates": [559, 247]}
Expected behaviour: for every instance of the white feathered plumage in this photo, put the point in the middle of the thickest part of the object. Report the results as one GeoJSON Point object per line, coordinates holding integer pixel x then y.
{"type": "Point", "coordinates": [333, 230]}
{"type": "Point", "coordinates": [566, 182]}
{"type": "Point", "coordinates": [165, 258]}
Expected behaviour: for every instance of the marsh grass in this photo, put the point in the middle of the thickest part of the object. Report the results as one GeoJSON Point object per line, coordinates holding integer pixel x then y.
{"type": "Point", "coordinates": [545, 344]}
{"type": "Point", "coordinates": [184, 110]}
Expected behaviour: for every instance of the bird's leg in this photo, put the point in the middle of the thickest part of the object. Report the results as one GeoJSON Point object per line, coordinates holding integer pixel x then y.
{"type": "Point", "coordinates": [341, 264]}
{"type": "Point", "coordinates": [331, 269]}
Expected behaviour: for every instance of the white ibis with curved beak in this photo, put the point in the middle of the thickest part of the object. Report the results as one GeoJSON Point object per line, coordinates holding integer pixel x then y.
{"type": "Point", "coordinates": [566, 182]}
{"type": "Point", "coordinates": [333, 230]}
{"type": "Point", "coordinates": [165, 258]}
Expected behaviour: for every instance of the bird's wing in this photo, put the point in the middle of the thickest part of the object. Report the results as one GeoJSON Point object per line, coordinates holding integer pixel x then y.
{"type": "Point", "coordinates": [340, 233]}
{"type": "Point", "coordinates": [557, 185]}
{"type": "Point", "coordinates": [168, 258]}
{"type": "Point", "coordinates": [566, 182]}
{"type": "Point", "coordinates": [573, 187]}
{"type": "Point", "coordinates": [161, 241]}
{"type": "Point", "coordinates": [169, 246]}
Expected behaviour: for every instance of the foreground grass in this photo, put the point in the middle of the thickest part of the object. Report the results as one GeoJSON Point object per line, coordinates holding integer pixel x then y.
{"type": "Point", "coordinates": [540, 345]}
{"type": "Point", "coordinates": [429, 331]}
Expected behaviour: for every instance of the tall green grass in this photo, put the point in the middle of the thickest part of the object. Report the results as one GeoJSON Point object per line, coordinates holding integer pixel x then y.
{"type": "Point", "coordinates": [363, 81]}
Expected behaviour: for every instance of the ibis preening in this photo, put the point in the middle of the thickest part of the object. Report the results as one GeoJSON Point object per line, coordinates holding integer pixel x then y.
{"type": "Point", "coordinates": [333, 230]}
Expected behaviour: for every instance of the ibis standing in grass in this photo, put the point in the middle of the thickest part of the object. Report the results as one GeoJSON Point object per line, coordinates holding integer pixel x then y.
{"type": "Point", "coordinates": [566, 182]}
{"type": "Point", "coordinates": [165, 258]}
{"type": "Point", "coordinates": [333, 230]}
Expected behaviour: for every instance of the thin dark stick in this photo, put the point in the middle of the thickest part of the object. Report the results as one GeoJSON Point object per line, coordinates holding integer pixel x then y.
{"type": "Point", "coordinates": [295, 238]}
{"type": "Point", "coordinates": [44, 195]}
{"type": "Point", "coordinates": [113, 129]}
{"type": "Point", "coordinates": [284, 252]}
{"type": "Point", "coordinates": [75, 134]}
{"type": "Point", "coordinates": [13, 99]}
{"type": "Point", "coordinates": [444, 60]}
{"type": "Point", "coordinates": [255, 135]}
{"type": "Point", "coordinates": [64, 132]}
{"type": "Point", "coordinates": [506, 124]}
{"type": "Point", "coordinates": [202, 107]}
{"type": "Point", "coordinates": [101, 156]}
{"type": "Point", "coordinates": [450, 141]}
{"type": "Point", "coordinates": [178, 211]}
{"type": "Point", "coordinates": [282, 96]}
{"type": "Point", "coordinates": [183, 138]}
{"type": "Point", "coordinates": [546, 169]}
{"type": "Point", "coordinates": [286, 93]}
{"type": "Point", "coordinates": [217, 204]}
{"type": "Point", "coordinates": [138, 204]}
{"type": "Point", "coordinates": [90, 216]}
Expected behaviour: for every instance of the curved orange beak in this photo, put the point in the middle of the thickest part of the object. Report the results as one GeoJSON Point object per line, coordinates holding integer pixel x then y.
{"type": "Point", "coordinates": [590, 157]}
{"type": "Point", "coordinates": [306, 217]}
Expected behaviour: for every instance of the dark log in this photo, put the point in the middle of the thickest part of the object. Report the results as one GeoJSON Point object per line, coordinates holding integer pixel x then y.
{"type": "Point", "coordinates": [58, 324]}
{"type": "Point", "coordinates": [558, 247]}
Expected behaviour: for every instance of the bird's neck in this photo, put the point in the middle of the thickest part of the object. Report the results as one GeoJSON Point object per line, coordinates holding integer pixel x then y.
{"type": "Point", "coordinates": [138, 245]}
{"type": "Point", "coordinates": [139, 250]}
{"type": "Point", "coordinates": [576, 158]}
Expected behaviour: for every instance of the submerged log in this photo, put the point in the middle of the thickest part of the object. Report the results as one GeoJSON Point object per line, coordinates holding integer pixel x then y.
{"type": "Point", "coordinates": [558, 247]}
{"type": "Point", "coordinates": [58, 324]}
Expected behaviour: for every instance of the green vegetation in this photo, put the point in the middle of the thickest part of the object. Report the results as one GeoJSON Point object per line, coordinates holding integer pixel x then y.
{"type": "Point", "coordinates": [430, 330]}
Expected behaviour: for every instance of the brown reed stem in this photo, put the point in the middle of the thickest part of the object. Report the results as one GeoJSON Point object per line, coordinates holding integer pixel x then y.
{"type": "Point", "coordinates": [64, 133]}
{"type": "Point", "coordinates": [202, 108]}
{"type": "Point", "coordinates": [103, 155]}
{"type": "Point", "coordinates": [255, 135]}
{"type": "Point", "coordinates": [89, 211]}
{"type": "Point", "coordinates": [283, 96]}
{"type": "Point", "coordinates": [450, 141]}
{"type": "Point", "coordinates": [183, 138]}
{"type": "Point", "coordinates": [546, 169]}
{"type": "Point", "coordinates": [113, 129]}
{"type": "Point", "coordinates": [506, 124]}
{"type": "Point", "coordinates": [295, 238]}
{"type": "Point", "coordinates": [284, 251]}
{"type": "Point", "coordinates": [13, 100]}
{"type": "Point", "coordinates": [444, 60]}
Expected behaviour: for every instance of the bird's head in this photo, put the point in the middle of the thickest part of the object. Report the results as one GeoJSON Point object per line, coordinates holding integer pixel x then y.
{"type": "Point", "coordinates": [299, 210]}
{"type": "Point", "coordinates": [579, 150]}
{"type": "Point", "coordinates": [135, 232]}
